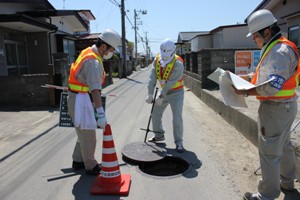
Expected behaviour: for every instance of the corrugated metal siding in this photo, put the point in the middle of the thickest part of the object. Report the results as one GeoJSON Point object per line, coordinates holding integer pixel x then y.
{"type": "Point", "coordinates": [218, 39]}
{"type": "Point", "coordinates": [236, 38]}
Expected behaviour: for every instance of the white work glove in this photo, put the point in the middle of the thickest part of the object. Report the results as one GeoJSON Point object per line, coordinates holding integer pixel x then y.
{"type": "Point", "coordinates": [149, 99]}
{"type": "Point", "coordinates": [101, 119]}
{"type": "Point", "coordinates": [159, 100]}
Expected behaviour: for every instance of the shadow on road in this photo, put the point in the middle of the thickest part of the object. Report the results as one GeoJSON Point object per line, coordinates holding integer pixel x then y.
{"type": "Point", "coordinates": [291, 195]}
{"type": "Point", "coordinates": [68, 172]}
{"type": "Point", "coordinates": [81, 189]}
{"type": "Point", "coordinates": [9, 108]}
{"type": "Point", "coordinates": [136, 81]}
{"type": "Point", "coordinates": [27, 143]}
{"type": "Point", "coordinates": [191, 158]}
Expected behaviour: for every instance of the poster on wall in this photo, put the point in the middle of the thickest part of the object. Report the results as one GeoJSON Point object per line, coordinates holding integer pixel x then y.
{"type": "Point", "coordinates": [246, 61]}
{"type": "Point", "coordinates": [256, 57]}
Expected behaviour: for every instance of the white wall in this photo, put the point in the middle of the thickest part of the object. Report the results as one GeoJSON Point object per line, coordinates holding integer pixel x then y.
{"type": "Point", "coordinates": [201, 42]}
{"type": "Point", "coordinates": [291, 6]}
{"type": "Point", "coordinates": [62, 25]}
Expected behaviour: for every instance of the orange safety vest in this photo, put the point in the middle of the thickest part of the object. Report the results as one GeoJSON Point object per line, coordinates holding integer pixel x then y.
{"type": "Point", "coordinates": [288, 89]}
{"type": "Point", "coordinates": [85, 54]}
{"type": "Point", "coordinates": [164, 75]}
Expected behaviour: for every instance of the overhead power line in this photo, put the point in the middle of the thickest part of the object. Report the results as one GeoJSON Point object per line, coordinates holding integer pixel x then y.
{"type": "Point", "coordinates": [119, 5]}
{"type": "Point", "coordinates": [123, 12]}
{"type": "Point", "coordinates": [115, 3]}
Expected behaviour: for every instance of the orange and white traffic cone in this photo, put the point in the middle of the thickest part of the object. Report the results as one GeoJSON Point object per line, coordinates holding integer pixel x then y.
{"type": "Point", "coordinates": [110, 181]}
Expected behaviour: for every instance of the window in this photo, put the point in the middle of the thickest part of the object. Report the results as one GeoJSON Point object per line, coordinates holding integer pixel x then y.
{"type": "Point", "coordinates": [294, 34]}
{"type": "Point", "coordinates": [69, 47]}
{"type": "Point", "coordinates": [11, 55]}
{"type": "Point", "coordinates": [16, 57]}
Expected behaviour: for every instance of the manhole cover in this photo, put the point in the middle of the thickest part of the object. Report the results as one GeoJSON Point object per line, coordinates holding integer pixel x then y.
{"type": "Point", "coordinates": [143, 152]}
{"type": "Point", "coordinates": [168, 166]}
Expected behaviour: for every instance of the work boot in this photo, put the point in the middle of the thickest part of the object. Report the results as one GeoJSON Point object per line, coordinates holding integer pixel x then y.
{"type": "Point", "coordinates": [78, 165]}
{"type": "Point", "coordinates": [179, 148]}
{"type": "Point", "coordinates": [95, 171]}
{"type": "Point", "coordinates": [251, 196]}
{"type": "Point", "coordinates": [287, 188]}
{"type": "Point", "coordinates": [157, 139]}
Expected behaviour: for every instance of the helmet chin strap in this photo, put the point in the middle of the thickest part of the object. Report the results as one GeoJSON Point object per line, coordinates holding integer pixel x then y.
{"type": "Point", "coordinates": [264, 41]}
{"type": "Point", "coordinates": [261, 34]}
{"type": "Point", "coordinates": [103, 52]}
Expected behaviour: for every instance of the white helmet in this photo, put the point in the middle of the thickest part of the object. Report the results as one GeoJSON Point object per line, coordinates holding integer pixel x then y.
{"type": "Point", "coordinates": [260, 20]}
{"type": "Point", "coordinates": [111, 37]}
{"type": "Point", "coordinates": [167, 49]}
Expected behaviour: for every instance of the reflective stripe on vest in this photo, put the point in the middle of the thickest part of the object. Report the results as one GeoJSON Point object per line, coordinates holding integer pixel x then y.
{"type": "Point", "coordinates": [85, 54]}
{"type": "Point", "coordinates": [164, 76]}
{"type": "Point", "coordinates": [288, 88]}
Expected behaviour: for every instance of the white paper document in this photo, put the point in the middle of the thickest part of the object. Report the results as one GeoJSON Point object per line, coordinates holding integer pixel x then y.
{"type": "Point", "coordinates": [230, 98]}
{"type": "Point", "coordinates": [226, 81]}
{"type": "Point", "coordinates": [216, 74]}
{"type": "Point", "coordinates": [241, 84]}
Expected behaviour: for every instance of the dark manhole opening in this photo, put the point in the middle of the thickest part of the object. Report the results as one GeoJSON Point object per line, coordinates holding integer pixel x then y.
{"type": "Point", "coordinates": [168, 166]}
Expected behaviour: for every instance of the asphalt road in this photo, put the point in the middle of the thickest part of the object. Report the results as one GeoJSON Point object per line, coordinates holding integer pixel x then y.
{"type": "Point", "coordinates": [221, 161]}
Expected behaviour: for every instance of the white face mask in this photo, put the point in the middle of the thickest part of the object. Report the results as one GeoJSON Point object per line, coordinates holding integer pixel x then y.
{"type": "Point", "coordinates": [166, 59]}
{"type": "Point", "coordinates": [108, 56]}
{"type": "Point", "coordinates": [167, 56]}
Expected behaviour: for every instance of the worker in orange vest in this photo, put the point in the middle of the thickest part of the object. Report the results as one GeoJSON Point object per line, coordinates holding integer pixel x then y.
{"type": "Point", "coordinates": [168, 70]}
{"type": "Point", "coordinates": [279, 60]}
{"type": "Point", "coordinates": [86, 77]}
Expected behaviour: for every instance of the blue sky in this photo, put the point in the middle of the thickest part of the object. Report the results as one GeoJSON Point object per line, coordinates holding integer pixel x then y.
{"type": "Point", "coordinates": [164, 18]}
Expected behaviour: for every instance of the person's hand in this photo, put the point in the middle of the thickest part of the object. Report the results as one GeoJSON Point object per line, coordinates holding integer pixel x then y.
{"type": "Point", "coordinates": [238, 92]}
{"type": "Point", "coordinates": [149, 99]}
{"type": "Point", "coordinates": [159, 100]}
{"type": "Point", "coordinates": [101, 119]}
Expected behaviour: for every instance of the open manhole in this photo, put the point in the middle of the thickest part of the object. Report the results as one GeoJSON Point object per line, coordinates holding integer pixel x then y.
{"type": "Point", "coordinates": [168, 166]}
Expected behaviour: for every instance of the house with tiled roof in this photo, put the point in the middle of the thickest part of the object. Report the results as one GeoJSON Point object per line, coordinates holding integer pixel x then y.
{"type": "Point", "coordinates": [217, 48]}
{"type": "Point", "coordinates": [35, 38]}
{"type": "Point", "coordinates": [183, 43]}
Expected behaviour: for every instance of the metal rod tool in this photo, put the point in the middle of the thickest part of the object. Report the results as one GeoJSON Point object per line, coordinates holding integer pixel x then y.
{"type": "Point", "coordinates": [148, 130]}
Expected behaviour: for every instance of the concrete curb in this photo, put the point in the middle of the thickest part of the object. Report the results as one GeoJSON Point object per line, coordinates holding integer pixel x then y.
{"type": "Point", "coordinates": [235, 117]}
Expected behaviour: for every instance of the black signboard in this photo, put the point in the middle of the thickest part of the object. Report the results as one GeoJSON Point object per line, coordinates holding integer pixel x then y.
{"type": "Point", "coordinates": [64, 118]}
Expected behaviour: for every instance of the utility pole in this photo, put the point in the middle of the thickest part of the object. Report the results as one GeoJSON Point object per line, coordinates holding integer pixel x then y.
{"type": "Point", "coordinates": [124, 74]}
{"type": "Point", "coordinates": [147, 55]}
{"type": "Point", "coordinates": [135, 38]}
{"type": "Point", "coordinates": [136, 12]}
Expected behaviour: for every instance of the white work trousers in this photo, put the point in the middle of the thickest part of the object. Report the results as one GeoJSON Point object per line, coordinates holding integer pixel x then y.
{"type": "Point", "coordinates": [276, 153]}
{"type": "Point", "coordinates": [85, 146]}
{"type": "Point", "coordinates": [295, 138]}
{"type": "Point", "coordinates": [176, 102]}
